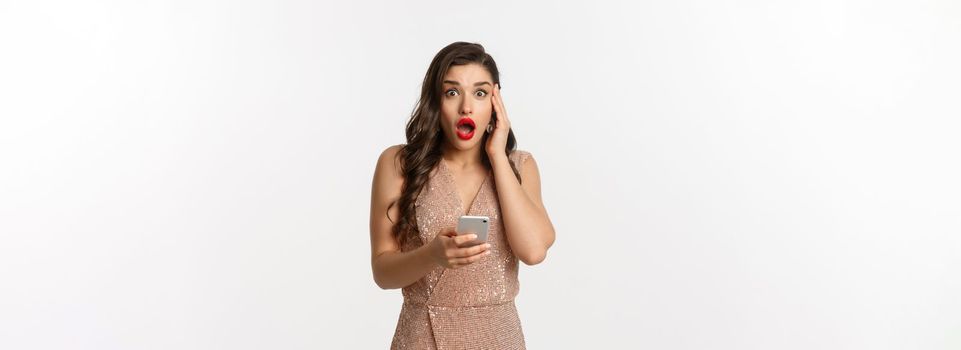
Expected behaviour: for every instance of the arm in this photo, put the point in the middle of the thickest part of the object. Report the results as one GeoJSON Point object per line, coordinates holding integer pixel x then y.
{"type": "Point", "coordinates": [393, 268]}
{"type": "Point", "coordinates": [529, 229]}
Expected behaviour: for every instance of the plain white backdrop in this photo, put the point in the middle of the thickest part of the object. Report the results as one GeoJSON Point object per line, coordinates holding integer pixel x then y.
{"type": "Point", "coordinates": [721, 175]}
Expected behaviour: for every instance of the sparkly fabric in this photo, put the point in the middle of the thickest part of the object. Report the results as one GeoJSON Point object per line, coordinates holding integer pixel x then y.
{"type": "Point", "coordinates": [471, 307]}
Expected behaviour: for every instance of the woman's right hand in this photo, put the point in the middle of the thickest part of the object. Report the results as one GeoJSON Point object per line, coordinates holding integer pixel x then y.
{"type": "Point", "coordinates": [452, 251]}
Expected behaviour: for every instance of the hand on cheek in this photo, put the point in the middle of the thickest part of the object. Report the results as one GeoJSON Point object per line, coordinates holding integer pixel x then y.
{"type": "Point", "coordinates": [497, 140]}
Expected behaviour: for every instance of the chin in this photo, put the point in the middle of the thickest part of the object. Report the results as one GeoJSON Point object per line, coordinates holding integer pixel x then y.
{"type": "Point", "coordinates": [464, 145]}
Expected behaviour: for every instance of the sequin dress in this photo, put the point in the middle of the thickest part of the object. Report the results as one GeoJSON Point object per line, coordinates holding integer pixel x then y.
{"type": "Point", "coordinates": [471, 307]}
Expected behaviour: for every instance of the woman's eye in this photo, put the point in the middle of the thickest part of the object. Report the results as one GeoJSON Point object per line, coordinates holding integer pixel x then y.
{"type": "Point", "coordinates": [480, 93]}
{"type": "Point", "coordinates": [451, 92]}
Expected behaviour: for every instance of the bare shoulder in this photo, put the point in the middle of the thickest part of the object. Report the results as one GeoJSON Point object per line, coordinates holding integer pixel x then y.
{"type": "Point", "coordinates": [387, 185]}
{"type": "Point", "coordinates": [391, 152]}
{"type": "Point", "coordinates": [388, 178]}
{"type": "Point", "coordinates": [388, 164]}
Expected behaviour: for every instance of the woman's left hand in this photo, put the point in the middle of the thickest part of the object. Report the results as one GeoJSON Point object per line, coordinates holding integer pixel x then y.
{"type": "Point", "coordinates": [497, 140]}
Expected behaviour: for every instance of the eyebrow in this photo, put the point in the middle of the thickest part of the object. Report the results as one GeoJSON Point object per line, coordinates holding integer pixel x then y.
{"type": "Point", "coordinates": [458, 84]}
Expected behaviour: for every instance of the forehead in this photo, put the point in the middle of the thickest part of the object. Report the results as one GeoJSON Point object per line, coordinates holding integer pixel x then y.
{"type": "Point", "coordinates": [468, 74]}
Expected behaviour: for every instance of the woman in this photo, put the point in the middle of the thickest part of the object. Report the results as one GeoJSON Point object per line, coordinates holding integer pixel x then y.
{"type": "Point", "coordinates": [459, 160]}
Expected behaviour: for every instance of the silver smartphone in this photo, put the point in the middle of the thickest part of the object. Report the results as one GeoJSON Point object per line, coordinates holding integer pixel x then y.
{"type": "Point", "coordinates": [478, 225]}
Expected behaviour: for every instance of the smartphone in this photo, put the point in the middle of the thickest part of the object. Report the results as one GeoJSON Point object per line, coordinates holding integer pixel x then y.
{"type": "Point", "coordinates": [478, 225]}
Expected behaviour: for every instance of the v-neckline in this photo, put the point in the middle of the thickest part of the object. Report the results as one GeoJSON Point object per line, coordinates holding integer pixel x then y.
{"type": "Point", "coordinates": [456, 192]}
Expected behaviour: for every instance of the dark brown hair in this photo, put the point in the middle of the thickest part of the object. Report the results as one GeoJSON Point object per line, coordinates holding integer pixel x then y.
{"type": "Point", "coordinates": [425, 137]}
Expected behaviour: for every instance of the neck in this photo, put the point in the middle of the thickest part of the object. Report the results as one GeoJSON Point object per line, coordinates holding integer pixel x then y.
{"type": "Point", "coordinates": [468, 158]}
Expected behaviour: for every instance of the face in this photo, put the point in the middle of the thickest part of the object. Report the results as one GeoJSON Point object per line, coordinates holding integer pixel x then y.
{"type": "Point", "coordinates": [466, 105]}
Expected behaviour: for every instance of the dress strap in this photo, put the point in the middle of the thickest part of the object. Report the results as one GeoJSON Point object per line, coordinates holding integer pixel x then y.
{"type": "Point", "coordinates": [519, 157]}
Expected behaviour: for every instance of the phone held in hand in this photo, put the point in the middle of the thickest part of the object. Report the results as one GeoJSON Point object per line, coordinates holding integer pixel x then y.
{"type": "Point", "coordinates": [478, 225]}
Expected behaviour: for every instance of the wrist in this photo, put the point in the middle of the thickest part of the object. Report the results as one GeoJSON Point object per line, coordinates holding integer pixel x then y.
{"type": "Point", "coordinates": [498, 159]}
{"type": "Point", "coordinates": [425, 256]}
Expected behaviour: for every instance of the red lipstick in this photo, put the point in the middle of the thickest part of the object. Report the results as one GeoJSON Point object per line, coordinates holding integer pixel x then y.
{"type": "Point", "coordinates": [465, 128]}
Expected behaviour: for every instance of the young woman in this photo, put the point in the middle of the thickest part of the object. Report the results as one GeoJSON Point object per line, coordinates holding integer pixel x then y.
{"type": "Point", "coordinates": [459, 160]}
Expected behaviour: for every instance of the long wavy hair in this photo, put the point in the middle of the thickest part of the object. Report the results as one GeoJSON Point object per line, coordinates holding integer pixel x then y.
{"type": "Point", "coordinates": [425, 137]}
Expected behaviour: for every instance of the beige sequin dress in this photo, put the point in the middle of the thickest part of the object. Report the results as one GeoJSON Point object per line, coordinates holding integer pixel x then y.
{"type": "Point", "coordinates": [471, 307]}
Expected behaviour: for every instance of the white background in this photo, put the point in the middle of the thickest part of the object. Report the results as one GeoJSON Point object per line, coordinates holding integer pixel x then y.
{"type": "Point", "coordinates": [745, 175]}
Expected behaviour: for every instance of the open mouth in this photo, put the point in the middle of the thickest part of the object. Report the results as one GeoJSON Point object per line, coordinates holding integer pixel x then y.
{"type": "Point", "coordinates": [465, 128]}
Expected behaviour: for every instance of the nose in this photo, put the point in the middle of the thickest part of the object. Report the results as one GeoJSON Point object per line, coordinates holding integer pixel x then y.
{"type": "Point", "coordinates": [466, 107]}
